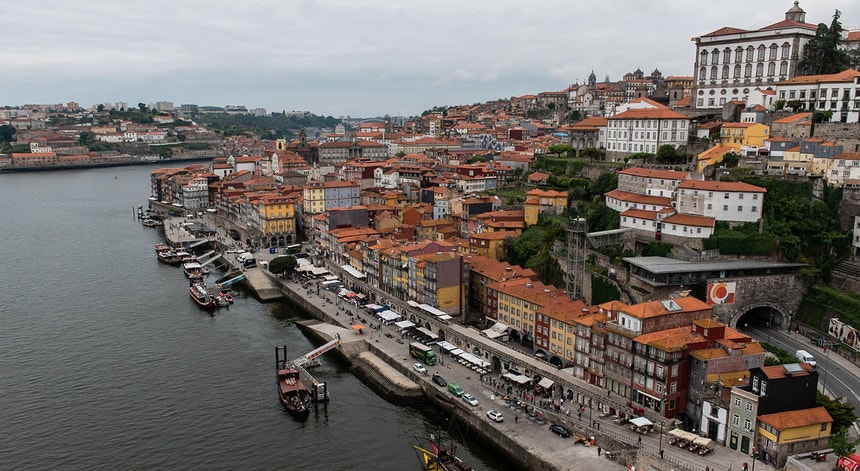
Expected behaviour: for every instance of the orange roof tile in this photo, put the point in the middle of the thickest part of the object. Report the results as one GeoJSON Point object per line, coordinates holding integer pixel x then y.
{"type": "Point", "coordinates": [708, 185]}
{"type": "Point", "coordinates": [797, 418]}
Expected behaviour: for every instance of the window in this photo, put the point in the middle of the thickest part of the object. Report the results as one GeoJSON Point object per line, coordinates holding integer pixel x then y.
{"type": "Point", "coordinates": [747, 424]}
{"type": "Point", "coordinates": [740, 209]}
{"type": "Point", "coordinates": [736, 420]}
{"type": "Point", "coordinates": [737, 401]}
{"type": "Point", "coordinates": [759, 69]}
{"type": "Point", "coordinates": [749, 405]}
{"type": "Point", "coordinates": [754, 209]}
{"type": "Point", "coordinates": [725, 196]}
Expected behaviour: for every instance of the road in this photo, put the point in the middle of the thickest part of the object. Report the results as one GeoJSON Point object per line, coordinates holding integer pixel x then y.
{"type": "Point", "coordinates": [837, 376]}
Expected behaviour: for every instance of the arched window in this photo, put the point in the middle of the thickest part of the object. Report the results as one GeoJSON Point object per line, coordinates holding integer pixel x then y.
{"type": "Point", "coordinates": [761, 51]}
{"type": "Point", "coordinates": [750, 53]}
{"type": "Point", "coordinates": [786, 51]}
{"type": "Point", "coordinates": [725, 72]}
{"type": "Point", "coordinates": [759, 69]}
{"type": "Point", "coordinates": [704, 58]}
{"type": "Point", "coordinates": [713, 72]}
{"type": "Point", "coordinates": [703, 73]}
{"type": "Point", "coordinates": [748, 71]}
{"type": "Point", "coordinates": [727, 55]}
{"type": "Point", "coordinates": [715, 56]}
{"type": "Point", "coordinates": [773, 52]}
{"type": "Point", "coordinates": [739, 54]}
{"type": "Point", "coordinates": [737, 71]}
{"type": "Point", "coordinates": [783, 68]}
{"type": "Point", "coordinates": [771, 68]}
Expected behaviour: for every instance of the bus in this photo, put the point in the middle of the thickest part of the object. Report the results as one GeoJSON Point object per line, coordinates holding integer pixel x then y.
{"type": "Point", "coordinates": [423, 352]}
{"type": "Point", "coordinates": [292, 249]}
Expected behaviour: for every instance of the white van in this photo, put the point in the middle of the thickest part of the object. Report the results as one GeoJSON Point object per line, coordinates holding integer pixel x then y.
{"type": "Point", "coordinates": [804, 357]}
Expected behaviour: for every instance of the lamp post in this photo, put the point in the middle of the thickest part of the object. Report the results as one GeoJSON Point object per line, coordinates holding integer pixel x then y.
{"type": "Point", "coordinates": [826, 360]}
{"type": "Point", "coordinates": [661, 440]}
{"type": "Point", "coordinates": [754, 453]}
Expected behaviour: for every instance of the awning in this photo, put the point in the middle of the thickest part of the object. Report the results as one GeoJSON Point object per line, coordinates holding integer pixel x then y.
{"type": "Point", "coordinates": [388, 315]}
{"type": "Point", "coordinates": [358, 326]}
{"type": "Point", "coordinates": [457, 352]}
{"type": "Point", "coordinates": [404, 324]}
{"type": "Point", "coordinates": [641, 422]}
{"type": "Point", "coordinates": [520, 379]}
{"type": "Point", "coordinates": [546, 383]}
{"type": "Point", "coordinates": [352, 271]}
{"type": "Point", "coordinates": [447, 346]}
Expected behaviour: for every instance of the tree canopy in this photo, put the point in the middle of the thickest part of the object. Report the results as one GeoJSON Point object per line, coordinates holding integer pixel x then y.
{"type": "Point", "coordinates": [822, 54]}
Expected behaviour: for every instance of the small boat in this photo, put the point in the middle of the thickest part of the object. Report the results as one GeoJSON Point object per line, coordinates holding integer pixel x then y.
{"type": "Point", "coordinates": [295, 397]}
{"type": "Point", "coordinates": [192, 268]}
{"type": "Point", "coordinates": [201, 295]}
{"type": "Point", "coordinates": [439, 457]}
{"type": "Point", "coordinates": [169, 257]}
{"type": "Point", "coordinates": [227, 296]}
{"type": "Point", "coordinates": [159, 248]}
{"type": "Point", "coordinates": [151, 222]}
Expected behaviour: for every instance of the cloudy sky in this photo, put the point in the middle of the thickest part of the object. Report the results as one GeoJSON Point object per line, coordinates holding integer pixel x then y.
{"type": "Point", "coordinates": [362, 57]}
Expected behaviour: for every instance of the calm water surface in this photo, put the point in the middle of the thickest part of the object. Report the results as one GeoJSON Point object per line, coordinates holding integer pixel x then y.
{"type": "Point", "coordinates": [106, 362]}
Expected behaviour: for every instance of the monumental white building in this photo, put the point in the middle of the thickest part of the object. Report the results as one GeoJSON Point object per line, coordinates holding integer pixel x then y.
{"type": "Point", "coordinates": [731, 62]}
{"type": "Point", "coordinates": [645, 130]}
{"type": "Point", "coordinates": [734, 202]}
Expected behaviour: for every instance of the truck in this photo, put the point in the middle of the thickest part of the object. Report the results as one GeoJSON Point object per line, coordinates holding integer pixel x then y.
{"type": "Point", "coordinates": [848, 463]}
{"type": "Point", "coordinates": [423, 352]}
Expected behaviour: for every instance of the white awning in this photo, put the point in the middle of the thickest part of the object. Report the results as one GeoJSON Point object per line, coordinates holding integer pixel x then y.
{"type": "Point", "coordinates": [520, 379]}
{"type": "Point", "coordinates": [352, 271]}
{"type": "Point", "coordinates": [447, 346]}
{"type": "Point", "coordinates": [641, 422]}
{"type": "Point", "coordinates": [546, 383]}
{"type": "Point", "coordinates": [404, 324]}
{"type": "Point", "coordinates": [388, 315]}
{"type": "Point", "coordinates": [457, 352]}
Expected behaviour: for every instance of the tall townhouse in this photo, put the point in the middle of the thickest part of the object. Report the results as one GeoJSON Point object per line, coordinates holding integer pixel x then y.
{"type": "Point", "coordinates": [640, 319]}
{"type": "Point", "coordinates": [555, 336]}
{"type": "Point", "coordinates": [483, 271]}
{"type": "Point", "coordinates": [277, 219]}
{"type": "Point", "coordinates": [650, 182]}
{"type": "Point", "coordinates": [731, 62]}
{"type": "Point", "coordinates": [714, 370]}
{"type": "Point", "coordinates": [518, 301]}
{"type": "Point", "coordinates": [590, 356]}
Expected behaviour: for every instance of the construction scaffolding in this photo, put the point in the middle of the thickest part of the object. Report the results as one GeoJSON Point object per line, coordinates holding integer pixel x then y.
{"type": "Point", "coordinates": [576, 252]}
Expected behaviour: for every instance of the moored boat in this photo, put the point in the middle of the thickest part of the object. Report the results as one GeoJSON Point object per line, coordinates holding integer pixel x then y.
{"type": "Point", "coordinates": [295, 397]}
{"type": "Point", "coordinates": [192, 268]}
{"type": "Point", "coordinates": [201, 295]}
{"type": "Point", "coordinates": [439, 457]}
{"type": "Point", "coordinates": [169, 257]}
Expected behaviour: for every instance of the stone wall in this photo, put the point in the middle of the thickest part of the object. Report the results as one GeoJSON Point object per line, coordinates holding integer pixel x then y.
{"type": "Point", "coordinates": [783, 292]}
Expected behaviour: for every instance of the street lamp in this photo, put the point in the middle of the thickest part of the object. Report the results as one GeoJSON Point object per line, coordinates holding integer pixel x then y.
{"type": "Point", "coordinates": [754, 453]}
{"type": "Point", "coordinates": [661, 440]}
{"type": "Point", "coordinates": [826, 360]}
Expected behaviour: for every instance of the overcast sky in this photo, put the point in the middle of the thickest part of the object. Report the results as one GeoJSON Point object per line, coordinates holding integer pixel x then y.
{"type": "Point", "coordinates": [362, 57]}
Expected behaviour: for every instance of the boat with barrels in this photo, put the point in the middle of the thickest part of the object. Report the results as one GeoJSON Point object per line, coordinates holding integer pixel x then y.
{"type": "Point", "coordinates": [295, 397]}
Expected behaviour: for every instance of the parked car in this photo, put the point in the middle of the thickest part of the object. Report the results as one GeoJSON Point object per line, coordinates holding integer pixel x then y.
{"type": "Point", "coordinates": [455, 389]}
{"type": "Point", "coordinates": [418, 367]}
{"type": "Point", "coordinates": [560, 430]}
{"type": "Point", "coordinates": [469, 399]}
{"type": "Point", "coordinates": [439, 380]}
{"type": "Point", "coordinates": [495, 416]}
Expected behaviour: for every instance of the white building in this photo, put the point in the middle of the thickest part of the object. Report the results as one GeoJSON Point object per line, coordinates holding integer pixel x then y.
{"type": "Point", "coordinates": [724, 201]}
{"type": "Point", "coordinates": [731, 62]}
{"type": "Point", "coordinates": [844, 167]}
{"type": "Point", "coordinates": [645, 130]}
{"type": "Point", "coordinates": [667, 222]}
{"type": "Point", "coordinates": [645, 181]}
{"type": "Point", "coordinates": [838, 93]}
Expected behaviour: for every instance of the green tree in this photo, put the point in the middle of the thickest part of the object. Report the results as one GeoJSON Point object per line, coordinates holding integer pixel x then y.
{"type": "Point", "coordinates": [779, 104]}
{"type": "Point", "coordinates": [590, 153]}
{"type": "Point", "coordinates": [559, 149]}
{"type": "Point", "coordinates": [7, 133]}
{"type": "Point", "coordinates": [666, 154]}
{"type": "Point", "coordinates": [841, 411]}
{"type": "Point", "coordinates": [284, 264]}
{"type": "Point", "coordinates": [142, 107]}
{"type": "Point", "coordinates": [100, 108]}
{"type": "Point", "coordinates": [841, 444]}
{"type": "Point", "coordinates": [86, 137]}
{"type": "Point", "coordinates": [822, 54]}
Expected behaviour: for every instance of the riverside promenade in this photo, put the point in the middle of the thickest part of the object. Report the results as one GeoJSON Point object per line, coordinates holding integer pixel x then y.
{"type": "Point", "coordinates": [530, 445]}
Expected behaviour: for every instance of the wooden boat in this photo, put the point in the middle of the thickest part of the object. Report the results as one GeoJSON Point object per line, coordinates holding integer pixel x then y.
{"type": "Point", "coordinates": [295, 397]}
{"type": "Point", "coordinates": [439, 457]}
{"type": "Point", "coordinates": [201, 295]}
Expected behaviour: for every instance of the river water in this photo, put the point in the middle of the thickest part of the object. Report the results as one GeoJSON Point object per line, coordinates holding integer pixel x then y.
{"type": "Point", "coordinates": [106, 362]}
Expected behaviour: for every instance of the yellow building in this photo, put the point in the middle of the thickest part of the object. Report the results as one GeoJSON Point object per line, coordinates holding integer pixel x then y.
{"type": "Point", "coordinates": [787, 433]}
{"type": "Point", "coordinates": [738, 135]}
{"type": "Point", "coordinates": [540, 201]}
{"type": "Point", "coordinates": [490, 244]}
{"type": "Point", "coordinates": [277, 219]}
{"type": "Point", "coordinates": [712, 156]}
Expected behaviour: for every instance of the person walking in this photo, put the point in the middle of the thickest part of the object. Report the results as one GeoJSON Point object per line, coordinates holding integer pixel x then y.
{"type": "Point", "coordinates": [599, 451]}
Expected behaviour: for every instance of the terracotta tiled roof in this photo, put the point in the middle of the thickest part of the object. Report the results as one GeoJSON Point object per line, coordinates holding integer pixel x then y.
{"type": "Point", "coordinates": [649, 113]}
{"type": "Point", "coordinates": [656, 308]}
{"type": "Point", "coordinates": [708, 185]}
{"type": "Point", "coordinates": [796, 418]}
{"type": "Point", "coordinates": [846, 76]}
{"type": "Point", "coordinates": [637, 198]}
{"type": "Point", "coordinates": [714, 152]}
{"type": "Point", "coordinates": [689, 220]}
{"type": "Point", "coordinates": [724, 31]}
{"type": "Point", "coordinates": [789, 24]}
{"type": "Point", "coordinates": [650, 173]}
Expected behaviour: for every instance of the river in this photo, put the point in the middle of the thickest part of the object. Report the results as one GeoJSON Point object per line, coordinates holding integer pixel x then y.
{"type": "Point", "coordinates": [106, 362]}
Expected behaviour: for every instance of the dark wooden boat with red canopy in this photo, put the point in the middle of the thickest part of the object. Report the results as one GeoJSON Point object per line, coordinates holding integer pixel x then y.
{"type": "Point", "coordinates": [295, 397]}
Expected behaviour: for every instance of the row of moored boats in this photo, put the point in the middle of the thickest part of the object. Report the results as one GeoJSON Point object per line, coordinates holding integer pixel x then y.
{"type": "Point", "coordinates": [208, 297]}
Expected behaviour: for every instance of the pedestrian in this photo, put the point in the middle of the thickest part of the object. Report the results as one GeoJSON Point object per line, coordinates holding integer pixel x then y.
{"type": "Point", "coordinates": [639, 441]}
{"type": "Point", "coordinates": [598, 426]}
{"type": "Point", "coordinates": [516, 418]}
{"type": "Point", "coordinates": [661, 453]}
{"type": "Point", "coordinates": [599, 451]}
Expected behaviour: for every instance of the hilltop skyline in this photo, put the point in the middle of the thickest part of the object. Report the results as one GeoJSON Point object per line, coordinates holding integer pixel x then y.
{"type": "Point", "coordinates": [341, 58]}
